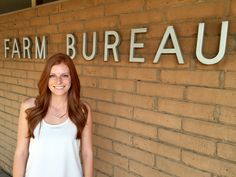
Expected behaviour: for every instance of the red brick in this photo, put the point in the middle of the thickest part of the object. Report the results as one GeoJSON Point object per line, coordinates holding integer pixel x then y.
{"type": "Point", "coordinates": [179, 169]}
{"type": "Point", "coordinates": [103, 166]}
{"type": "Point", "coordinates": [121, 7]}
{"type": "Point", "coordinates": [135, 127]}
{"type": "Point", "coordinates": [199, 111]}
{"type": "Point", "coordinates": [187, 45]}
{"type": "Point", "coordinates": [25, 14]}
{"type": "Point", "coordinates": [155, 31]}
{"type": "Point", "coordinates": [202, 78]}
{"type": "Point", "coordinates": [114, 134]}
{"type": "Point", "coordinates": [6, 18]}
{"type": "Point", "coordinates": [228, 115]}
{"type": "Point", "coordinates": [160, 90]}
{"type": "Point", "coordinates": [19, 73]}
{"type": "Point", "coordinates": [137, 74]}
{"type": "Point", "coordinates": [9, 80]}
{"type": "Point", "coordinates": [102, 142]}
{"type": "Point", "coordinates": [102, 23]}
{"type": "Point", "coordinates": [226, 151]}
{"type": "Point", "coordinates": [213, 130]}
{"type": "Point", "coordinates": [88, 81]}
{"type": "Point", "coordinates": [4, 86]}
{"type": "Point", "coordinates": [6, 117]}
{"type": "Point", "coordinates": [198, 10]}
{"type": "Point", "coordinates": [113, 158]}
{"type": "Point", "coordinates": [11, 111]}
{"type": "Point", "coordinates": [157, 118]}
{"type": "Point", "coordinates": [83, 14]}
{"type": "Point", "coordinates": [186, 141]}
{"type": "Point", "coordinates": [232, 8]}
{"type": "Point", "coordinates": [70, 26]}
{"type": "Point", "coordinates": [27, 31]}
{"type": "Point", "coordinates": [97, 71]}
{"type": "Point", "coordinates": [57, 38]}
{"type": "Point", "coordinates": [19, 24]}
{"type": "Point", "coordinates": [117, 85]}
{"type": "Point", "coordinates": [26, 82]}
{"type": "Point", "coordinates": [9, 33]}
{"type": "Point", "coordinates": [133, 153]}
{"type": "Point", "coordinates": [89, 13]}
{"type": "Point", "coordinates": [33, 75]}
{"type": "Point", "coordinates": [134, 100]}
{"type": "Point", "coordinates": [11, 65]}
{"type": "Point", "coordinates": [115, 109]}
{"type": "Point", "coordinates": [32, 92]}
{"type": "Point", "coordinates": [230, 80]}
{"type": "Point", "coordinates": [160, 4]}
{"type": "Point", "coordinates": [18, 89]}
{"type": "Point", "coordinates": [15, 104]}
{"type": "Point", "coordinates": [205, 163]}
{"type": "Point", "coordinates": [10, 95]}
{"type": "Point", "coordinates": [76, 5]}
{"type": "Point", "coordinates": [157, 148]}
{"type": "Point", "coordinates": [118, 172]}
{"type": "Point", "coordinates": [141, 18]}
{"type": "Point", "coordinates": [47, 10]}
{"type": "Point", "coordinates": [62, 17]}
{"type": "Point", "coordinates": [99, 174]}
{"type": "Point", "coordinates": [212, 96]}
{"type": "Point", "coordinates": [187, 29]}
{"type": "Point", "coordinates": [104, 119]}
{"type": "Point", "coordinates": [143, 170]}
{"type": "Point", "coordinates": [39, 21]}
{"type": "Point", "coordinates": [6, 72]}
{"type": "Point", "coordinates": [232, 29]}
{"type": "Point", "coordinates": [47, 29]}
{"type": "Point", "coordinates": [98, 94]}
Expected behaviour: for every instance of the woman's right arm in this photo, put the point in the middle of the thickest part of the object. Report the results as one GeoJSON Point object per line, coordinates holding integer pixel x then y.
{"type": "Point", "coordinates": [21, 153]}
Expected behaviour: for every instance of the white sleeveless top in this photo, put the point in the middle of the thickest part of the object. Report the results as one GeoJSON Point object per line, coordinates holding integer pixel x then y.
{"type": "Point", "coordinates": [54, 152]}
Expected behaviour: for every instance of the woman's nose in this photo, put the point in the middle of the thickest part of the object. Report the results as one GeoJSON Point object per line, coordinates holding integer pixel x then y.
{"type": "Point", "coordinates": [59, 80]}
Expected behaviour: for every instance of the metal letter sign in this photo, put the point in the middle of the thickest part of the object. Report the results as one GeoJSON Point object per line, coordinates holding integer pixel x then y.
{"type": "Point", "coordinates": [222, 45]}
{"type": "Point", "coordinates": [85, 46]}
{"type": "Point", "coordinates": [40, 52]}
{"type": "Point", "coordinates": [169, 32]}
{"type": "Point", "coordinates": [113, 46]}
{"type": "Point", "coordinates": [134, 45]}
{"type": "Point", "coordinates": [70, 45]}
{"type": "Point", "coordinates": [112, 40]}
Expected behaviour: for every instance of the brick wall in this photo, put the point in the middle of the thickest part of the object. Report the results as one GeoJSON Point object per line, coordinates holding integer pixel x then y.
{"type": "Point", "coordinates": [150, 120]}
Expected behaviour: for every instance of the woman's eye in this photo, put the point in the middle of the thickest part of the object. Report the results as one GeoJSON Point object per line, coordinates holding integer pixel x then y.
{"type": "Point", "coordinates": [65, 75]}
{"type": "Point", "coordinates": [51, 76]}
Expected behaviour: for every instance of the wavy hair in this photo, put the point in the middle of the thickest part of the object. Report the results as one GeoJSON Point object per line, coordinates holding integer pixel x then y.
{"type": "Point", "coordinates": [77, 111]}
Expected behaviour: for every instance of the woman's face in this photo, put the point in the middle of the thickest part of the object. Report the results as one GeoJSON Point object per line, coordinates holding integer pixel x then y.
{"type": "Point", "coordinates": [59, 79]}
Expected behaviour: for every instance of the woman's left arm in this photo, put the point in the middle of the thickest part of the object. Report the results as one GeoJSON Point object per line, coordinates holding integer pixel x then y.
{"type": "Point", "coordinates": [87, 146]}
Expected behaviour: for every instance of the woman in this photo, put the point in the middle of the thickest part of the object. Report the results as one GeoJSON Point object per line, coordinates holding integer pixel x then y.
{"type": "Point", "coordinates": [54, 125]}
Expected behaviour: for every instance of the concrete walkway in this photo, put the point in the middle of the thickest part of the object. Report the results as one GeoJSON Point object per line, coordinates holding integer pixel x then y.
{"type": "Point", "coordinates": [3, 174]}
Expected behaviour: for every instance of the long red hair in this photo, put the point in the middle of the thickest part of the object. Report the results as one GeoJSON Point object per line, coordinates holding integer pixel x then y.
{"type": "Point", "coordinates": [77, 111]}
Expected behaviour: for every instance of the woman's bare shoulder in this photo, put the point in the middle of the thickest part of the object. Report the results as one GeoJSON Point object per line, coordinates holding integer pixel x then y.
{"type": "Point", "coordinates": [28, 103]}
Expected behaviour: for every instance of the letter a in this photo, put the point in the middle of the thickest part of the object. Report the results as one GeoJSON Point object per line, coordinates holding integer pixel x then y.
{"type": "Point", "coordinates": [169, 32]}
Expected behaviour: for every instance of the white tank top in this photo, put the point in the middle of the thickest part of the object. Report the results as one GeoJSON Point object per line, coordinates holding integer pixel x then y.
{"type": "Point", "coordinates": [54, 152]}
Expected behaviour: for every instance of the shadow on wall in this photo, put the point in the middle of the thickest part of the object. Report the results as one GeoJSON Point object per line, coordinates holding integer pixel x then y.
{"type": "Point", "coordinates": [4, 174]}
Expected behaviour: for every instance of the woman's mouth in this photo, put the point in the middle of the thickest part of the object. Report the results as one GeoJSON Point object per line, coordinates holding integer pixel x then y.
{"type": "Point", "coordinates": [58, 87]}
